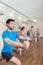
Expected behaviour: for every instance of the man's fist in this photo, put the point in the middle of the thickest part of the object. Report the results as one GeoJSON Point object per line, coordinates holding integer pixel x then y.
{"type": "Point", "coordinates": [27, 43]}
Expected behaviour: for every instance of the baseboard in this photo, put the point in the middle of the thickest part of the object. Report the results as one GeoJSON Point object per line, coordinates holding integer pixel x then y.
{"type": "Point", "coordinates": [41, 37]}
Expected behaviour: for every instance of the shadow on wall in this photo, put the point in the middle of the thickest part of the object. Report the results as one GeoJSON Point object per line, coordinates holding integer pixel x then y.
{"type": "Point", "coordinates": [1, 44]}
{"type": "Point", "coordinates": [2, 28]}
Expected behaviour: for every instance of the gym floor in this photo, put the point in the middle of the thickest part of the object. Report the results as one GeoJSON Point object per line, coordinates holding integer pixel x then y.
{"type": "Point", "coordinates": [33, 56]}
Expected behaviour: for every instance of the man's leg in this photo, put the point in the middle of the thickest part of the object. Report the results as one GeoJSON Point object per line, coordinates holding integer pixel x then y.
{"type": "Point", "coordinates": [15, 61]}
{"type": "Point", "coordinates": [1, 58]}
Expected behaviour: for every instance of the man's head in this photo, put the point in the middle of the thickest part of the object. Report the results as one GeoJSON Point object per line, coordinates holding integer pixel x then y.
{"type": "Point", "coordinates": [31, 26]}
{"type": "Point", "coordinates": [22, 29]}
{"type": "Point", "coordinates": [10, 24]}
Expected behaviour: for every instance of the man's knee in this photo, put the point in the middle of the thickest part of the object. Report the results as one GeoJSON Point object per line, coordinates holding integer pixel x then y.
{"type": "Point", "coordinates": [1, 58]}
{"type": "Point", "coordinates": [15, 61]}
{"type": "Point", "coordinates": [19, 63]}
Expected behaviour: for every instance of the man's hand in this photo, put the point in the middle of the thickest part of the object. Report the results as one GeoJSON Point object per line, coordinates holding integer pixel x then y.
{"type": "Point", "coordinates": [27, 44]}
{"type": "Point", "coordinates": [24, 45]}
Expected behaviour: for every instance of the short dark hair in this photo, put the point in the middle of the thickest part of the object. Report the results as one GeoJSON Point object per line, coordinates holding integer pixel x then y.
{"type": "Point", "coordinates": [9, 20]}
{"type": "Point", "coordinates": [31, 26]}
{"type": "Point", "coordinates": [22, 28]}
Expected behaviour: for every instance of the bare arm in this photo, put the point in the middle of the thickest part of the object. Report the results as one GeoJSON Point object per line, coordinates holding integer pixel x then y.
{"type": "Point", "coordinates": [16, 44]}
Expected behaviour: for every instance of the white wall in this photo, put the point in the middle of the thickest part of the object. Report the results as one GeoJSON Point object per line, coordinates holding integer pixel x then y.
{"type": "Point", "coordinates": [2, 28]}
{"type": "Point", "coordinates": [40, 25]}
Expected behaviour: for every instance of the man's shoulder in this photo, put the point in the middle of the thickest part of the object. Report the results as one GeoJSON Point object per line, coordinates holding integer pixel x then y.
{"type": "Point", "coordinates": [4, 32]}
{"type": "Point", "coordinates": [14, 32]}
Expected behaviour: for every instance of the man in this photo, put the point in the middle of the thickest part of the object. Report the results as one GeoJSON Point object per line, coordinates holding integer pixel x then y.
{"type": "Point", "coordinates": [32, 34]}
{"type": "Point", "coordinates": [38, 34]}
{"type": "Point", "coordinates": [9, 38]}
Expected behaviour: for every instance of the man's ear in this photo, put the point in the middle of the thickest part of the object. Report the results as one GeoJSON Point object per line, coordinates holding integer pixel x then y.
{"type": "Point", "coordinates": [7, 24]}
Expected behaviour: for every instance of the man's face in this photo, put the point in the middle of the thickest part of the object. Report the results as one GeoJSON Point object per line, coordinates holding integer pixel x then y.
{"type": "Point", "coordinates": [24, 29]}
{"type": "Point", "coordinates": [11, 25]}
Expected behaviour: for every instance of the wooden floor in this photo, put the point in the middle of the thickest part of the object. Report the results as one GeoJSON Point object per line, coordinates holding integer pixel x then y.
{"type": "Point", "coordinates": [33, 56]}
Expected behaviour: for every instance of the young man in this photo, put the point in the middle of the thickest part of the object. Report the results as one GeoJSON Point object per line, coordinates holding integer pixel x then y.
{"type": "Point", "coordinates": [9, 39]}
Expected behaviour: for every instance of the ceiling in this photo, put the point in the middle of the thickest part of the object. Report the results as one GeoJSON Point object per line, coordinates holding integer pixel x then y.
{"type": "Point", "coordinates": [8, 12]}
{"type": "Point", "coordinates": [31, 8]}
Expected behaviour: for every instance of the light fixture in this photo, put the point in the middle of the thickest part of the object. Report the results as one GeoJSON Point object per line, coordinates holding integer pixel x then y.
{"type": "Point", "coordinates": [20, 18]}
{"type": "Point", "coordinates": [13, 11]}
{"type": "Point", "coordinates": [35, 21]}
{"type": "Point", "coordinates": [11, 14]}
{"type": "Point", "coordinates": [24, 19]}
{"type": "Point", "coordinates": [1, 5]}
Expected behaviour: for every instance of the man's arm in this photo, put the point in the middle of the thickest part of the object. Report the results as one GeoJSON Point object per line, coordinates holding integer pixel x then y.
{"type": "Point", "coordinates": [14, 43]}
{"type": "Point", "coordinates": [21, 37]}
